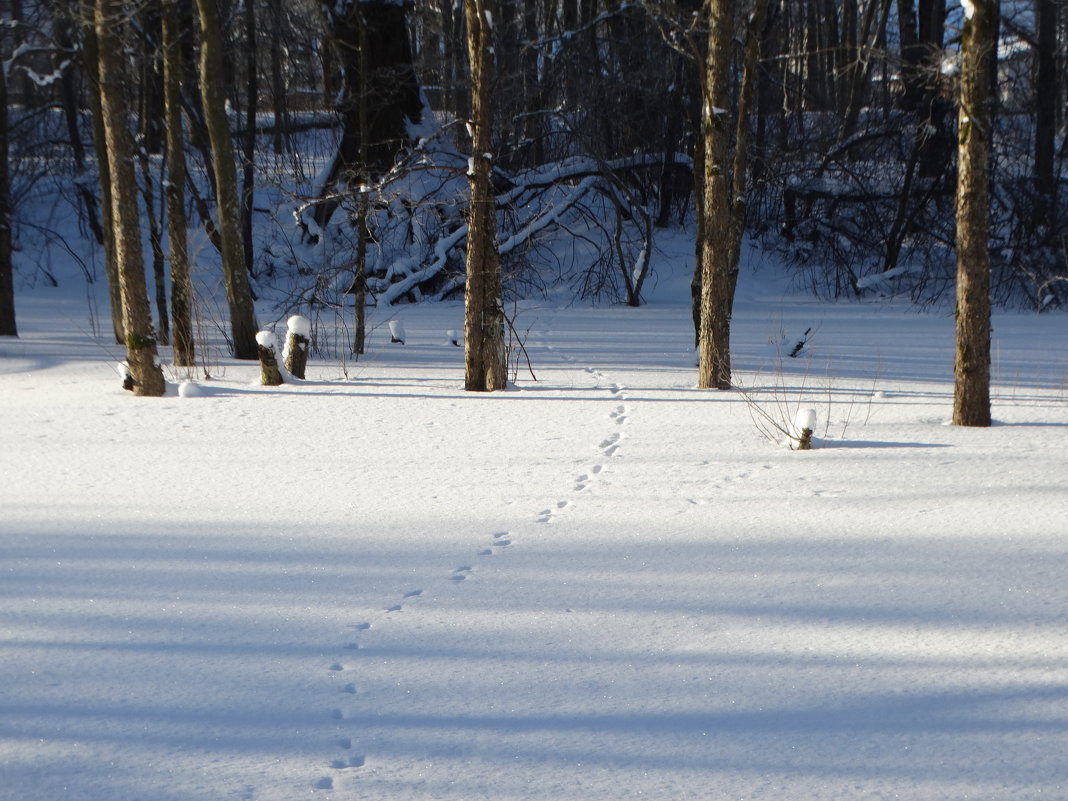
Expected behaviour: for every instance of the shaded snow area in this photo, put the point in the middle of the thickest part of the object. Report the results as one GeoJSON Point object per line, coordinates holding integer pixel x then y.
{"type": "Point", "coordinates": [603, 584]}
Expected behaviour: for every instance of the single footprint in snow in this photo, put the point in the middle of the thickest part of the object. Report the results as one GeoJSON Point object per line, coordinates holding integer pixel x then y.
{"type": "Point", "coordinates": [338, 714]}
{"type": "Point", "coordinates": [412, 594]}
{"type": "Point", "coordinates": [325, 783]}
{"type": "Point", "coordinates": [597, 468]}
{"type": "Point", "coordinates": [337, 666]}
{"type": "Point", "coordinates": [351, 762]}
{"type": "Point", "coordinates": [352, 646]}
{"type": "Point", "coordinates": [349, 688]}
{"type": "Point", "coordinates": [562, 504]}
{"type": "Point", "coordinates": [362, 626]}
{"type": "Point", "coordinates": [394, 608]}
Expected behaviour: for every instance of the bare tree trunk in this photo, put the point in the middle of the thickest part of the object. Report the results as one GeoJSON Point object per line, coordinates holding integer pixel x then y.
{"type": "Point", "coordinates": [1047, 92]}
{"type": "Point", "coordinates": [248, 185]}
{"type": "Point", "coordinates": [8, 328]}
{"type": "Point", "coordinates": [714, 358]}
{"type": "Point", "coordinates": [363, 233]}
{"type": "Point", "coordinates": [177, 224]}
{"type": "Point", "coordinates": [486, 365]}
{"type": "Point", "coordinates": [278, 83]}
{"type": "Point", "coordinates": [159, 259]}
{"type": "Point", "coordinates": [141, 354]}
{"type": "Point", "coordinates": [68, 92]}
{"type": "Point", "coordinates": [740, 164]}
{"type": "Point", "coordinates": [91, 63]}
{"type": "Point", "coordinates": [238, 292]}
{"type": "Point", "coordinates": [971, 399]}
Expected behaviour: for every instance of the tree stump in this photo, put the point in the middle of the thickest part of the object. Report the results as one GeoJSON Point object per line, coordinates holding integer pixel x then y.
{"type": "Point", "coordinates": [267, 347]}
{"type": "Point", "coordinates": [804, 423]}
{"type": "Point", "coordinates": [295, 352]}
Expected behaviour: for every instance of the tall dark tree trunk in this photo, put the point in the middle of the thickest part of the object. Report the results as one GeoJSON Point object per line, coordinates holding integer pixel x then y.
{"type": "Point", "coordinates": [971, 399]}
{"type": "Point", "coordinates": [1047, 93]}
{"type": "Point", "coordinates": [68, 93]}
{"type": "Point", "coordinates": [8, 327]}
{"type": "Point", "coordinates": [91, 63]}
{"type": "Point", "coordinates": [248, 159]}
{"type": "Point", "coordinates": [155, 240]}
{"type": "Point", "coordinates": [279, 99]}
{"type": "Point", "coordinates": [238, 292]}
{"type": "Point", "coordinates": [177, 224]}
{"type": "Point", "coordinates": [714, 358]}
{"type": "Point", "coordinates": [740, 163]}
{"type": "Point", "coordinates": [486, 365]}
{"type": "Point", "coordinates": [141, 354]}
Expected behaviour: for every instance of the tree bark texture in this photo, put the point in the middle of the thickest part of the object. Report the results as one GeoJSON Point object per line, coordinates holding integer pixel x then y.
{"type": "Point", "coordinates": [1047, 93]}
{"type": "Point", "coordinates": [238, 292]}
{"type": "Point", "coordinates": [91, 61]}
{"type": "Point", "coordinates": [8, 326]}
{"type": "Point", "coordinates": [141, 355]}
{"type": "Point", "coordinates": [270, 375]}
{"type": "Point", "coordinates": [485, 360]}
{"type": "Point", "coordinates": [740, 163]}
{"type": "Point", "coordinates": [177, 224]}
{"type": "Point", "coordinates": [714, 359]}
{"type": "Point", "coordinates": [971, 398]}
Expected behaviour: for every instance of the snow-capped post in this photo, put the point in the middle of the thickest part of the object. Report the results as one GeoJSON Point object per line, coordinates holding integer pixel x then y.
{"type": "Point", "coordinates": [396, 332]}
{"type": "Point", "coordinates": [267, 347]}
{"type": "Point", "coordinates": [804, 424]}
{"type": "Point", "coordinates": [295, 352]}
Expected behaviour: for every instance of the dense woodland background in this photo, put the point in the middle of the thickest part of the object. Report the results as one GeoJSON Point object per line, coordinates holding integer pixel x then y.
{"type": "Point", "coordinates": [346, 131]}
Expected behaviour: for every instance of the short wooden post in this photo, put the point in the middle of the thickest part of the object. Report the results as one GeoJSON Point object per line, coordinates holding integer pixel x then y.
{"type": "Point", "coordinates": [295, 353]}
{"type": "Point", "coordinates": [267, 347]}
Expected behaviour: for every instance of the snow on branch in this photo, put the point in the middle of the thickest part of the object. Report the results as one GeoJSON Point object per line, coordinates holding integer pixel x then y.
{"type": "Point", "coordinates": [587, 171]}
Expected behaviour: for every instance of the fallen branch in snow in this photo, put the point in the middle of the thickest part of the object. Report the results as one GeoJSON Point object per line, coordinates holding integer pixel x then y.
{"type": "Point", "coordinates": [589, 172]}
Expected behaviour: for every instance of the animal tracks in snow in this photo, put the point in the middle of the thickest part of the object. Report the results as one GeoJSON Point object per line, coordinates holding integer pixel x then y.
{"type": "Point", "coordinates": [351, 757]}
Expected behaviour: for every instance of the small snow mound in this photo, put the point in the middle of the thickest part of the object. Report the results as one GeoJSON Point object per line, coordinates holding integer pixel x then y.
{"type": "Point", "coordinates": [189, 389]}
{"type": "Point", "coordinates": [267, 339]}
{"type": "Point", "coordinates": [299, 326]}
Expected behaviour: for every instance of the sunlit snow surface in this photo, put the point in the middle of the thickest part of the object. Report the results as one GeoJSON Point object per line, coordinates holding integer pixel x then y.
{"type": "Point", "coordinates": [603, 584]}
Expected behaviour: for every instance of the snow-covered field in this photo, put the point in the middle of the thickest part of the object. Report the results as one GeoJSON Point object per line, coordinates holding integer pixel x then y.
{"type": "Point", "coordinates": [603, 584]}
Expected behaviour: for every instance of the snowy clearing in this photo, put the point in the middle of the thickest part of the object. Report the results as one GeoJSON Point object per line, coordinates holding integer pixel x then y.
{"type": "Point", "coordinates": [602, 584]}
